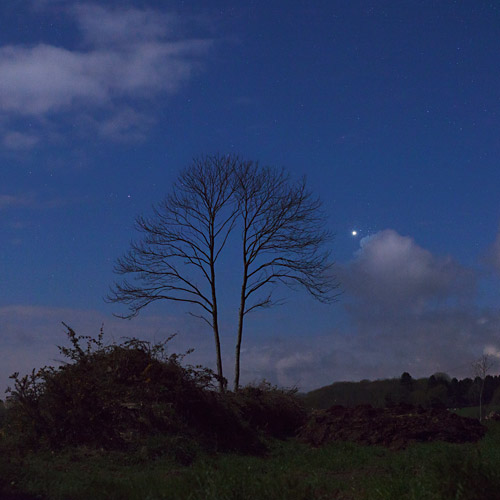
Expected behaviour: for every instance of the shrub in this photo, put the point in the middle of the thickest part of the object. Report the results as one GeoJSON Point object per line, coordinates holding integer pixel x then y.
{"type": "Point", "coordinates": [2, 412]}
{"type": "Point", "coordinates": [113, 396]}
{"type": "Point", "coordinates": [277, 412]}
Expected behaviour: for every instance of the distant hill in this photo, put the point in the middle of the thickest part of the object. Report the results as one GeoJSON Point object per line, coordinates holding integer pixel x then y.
{"type": "Point", "coordinates": [351, 393]}
{"type": "Point", "coordinates": [438, 390]}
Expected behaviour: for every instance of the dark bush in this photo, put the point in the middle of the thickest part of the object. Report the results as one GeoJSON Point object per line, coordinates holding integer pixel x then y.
{"type": "Point", "coordinates": [2, 413]}
{"type": "Point", "coordinates": [277, 412]}
{"type": "Point", "coordinates": [116, 395]}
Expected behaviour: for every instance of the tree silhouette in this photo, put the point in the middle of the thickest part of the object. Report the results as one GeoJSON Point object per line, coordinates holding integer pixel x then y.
{"type": "Point", "coordinates": [181, 244]}
{"type": "Point", "coordinates": [481, 367]}
{"type": "Point", "coordinates": [283, 240]}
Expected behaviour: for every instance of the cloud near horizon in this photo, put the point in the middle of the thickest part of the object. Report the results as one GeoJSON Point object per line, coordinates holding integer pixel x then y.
{"type": "Point", "coordinates": [127, 56]}
{"type": "Point", "coordinates": [493, 254]}
{"type": "Point", "coordinates": [407, 310]}
{"type": "Point", "coordinates": [29, 335]}
{"type": "Point", "coordinates": [411, 308]}
{"type": "Point", "coordinates": [391, 271]}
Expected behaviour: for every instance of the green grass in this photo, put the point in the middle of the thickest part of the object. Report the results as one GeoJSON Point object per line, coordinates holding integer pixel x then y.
{"type": "Point", "coordinates": [290, 471]}
{"type": "Point", "coordinates": [473, 411]}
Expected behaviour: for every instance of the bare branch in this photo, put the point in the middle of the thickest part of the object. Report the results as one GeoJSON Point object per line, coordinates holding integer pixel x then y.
{"type": "Point", "coordinates": [175, 258]}
{"type": "Point", "coordinates": [283, 240]}
{"type": "Point", "coordinates": [200, 316]}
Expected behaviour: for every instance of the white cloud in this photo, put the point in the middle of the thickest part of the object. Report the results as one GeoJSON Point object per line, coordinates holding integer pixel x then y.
{"type": "Point", "coordinates": [45, 79]}
{"type": "Point", "coordinates": [391, 271]}
{"type": "Point", "coordinates": [101, 26]}
{"type": "Point", "coordinates": [491, 350]}
{"type": "Point", "coordinates": [127, 56]}
{"type": "Point", "coordinates": [409, 310]}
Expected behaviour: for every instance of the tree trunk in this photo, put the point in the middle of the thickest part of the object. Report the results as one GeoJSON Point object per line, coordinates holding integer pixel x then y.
{"type": "Point", "coordinates": [481, 402]}
{"type": "Point", "coordinates": [218, 353]}
{"type": "Point", "coordinates": [241, 315]}
{"type": "Point", "coordinates": [215, 320]}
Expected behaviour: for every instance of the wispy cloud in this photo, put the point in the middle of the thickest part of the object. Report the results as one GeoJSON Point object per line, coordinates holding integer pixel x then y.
{"type": "Point", "coordinates": [126, 125]}
{"type": "Point", "coordinates": [125, 26]}
{"type": "Point", "coordinates": [127, 55]}
{"type": "Point", "coordinates": [407, 309]}
{"type": "Point", "coordinates": [43, 79]}
{"type": "Point", "coordinates": [29, 335]}
{"type": "Point", "coordinates": [19, 141]}
{"type": "Point", "coordinates": [29, 201]}
{"type": "Point", "coordinates": [447, 340]}
{"type": "Point", "coordinates": [13, 201]}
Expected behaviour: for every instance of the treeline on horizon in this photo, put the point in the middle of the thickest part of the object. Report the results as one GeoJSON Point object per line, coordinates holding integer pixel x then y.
{"type": "Point", "coordinates": [437, 391]}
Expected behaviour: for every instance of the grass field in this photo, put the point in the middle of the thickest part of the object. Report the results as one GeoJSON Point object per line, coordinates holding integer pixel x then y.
{"type": "Point", "coordinates": [473, 411]}
{"type": "Point", "coordinates": [291, 470]}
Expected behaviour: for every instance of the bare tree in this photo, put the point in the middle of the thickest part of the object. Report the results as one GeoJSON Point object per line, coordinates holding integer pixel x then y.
{"type": "Point", "coordinates": [283, 239]}
{"type": "Point", "coordinates": [481, 368]}
{"type": "Point", "coordinates": [176, 258]}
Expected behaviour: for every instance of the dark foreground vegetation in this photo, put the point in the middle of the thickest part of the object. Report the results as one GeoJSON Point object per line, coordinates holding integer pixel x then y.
{"type": "Point", "coordinates": [129, 421]}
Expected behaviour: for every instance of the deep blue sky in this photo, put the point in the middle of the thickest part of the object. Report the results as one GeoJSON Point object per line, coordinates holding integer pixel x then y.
{"type": "Point", "coordinates": [391, 109]}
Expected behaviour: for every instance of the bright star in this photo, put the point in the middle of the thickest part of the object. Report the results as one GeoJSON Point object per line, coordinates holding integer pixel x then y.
{"type": "Point", "coordinates": [354, 233]}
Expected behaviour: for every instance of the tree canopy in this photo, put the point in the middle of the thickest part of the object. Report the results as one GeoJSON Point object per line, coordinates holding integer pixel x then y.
{"type": "Point", "coordinates": [283, 240]}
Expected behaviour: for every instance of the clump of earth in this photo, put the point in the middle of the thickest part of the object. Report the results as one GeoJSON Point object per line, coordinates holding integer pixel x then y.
{"type": "Point", "coordinates": [394, 427]}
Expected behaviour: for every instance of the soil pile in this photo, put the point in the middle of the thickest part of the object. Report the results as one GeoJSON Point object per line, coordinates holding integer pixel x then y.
{"type": "Point", "coordinates": [394, 427]}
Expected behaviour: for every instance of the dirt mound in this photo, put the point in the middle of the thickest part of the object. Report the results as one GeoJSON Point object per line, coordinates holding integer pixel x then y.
{"type": "Point", "coordinates": [394, 427]}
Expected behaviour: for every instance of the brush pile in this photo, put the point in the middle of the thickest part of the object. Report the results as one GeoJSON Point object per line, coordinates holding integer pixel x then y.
{"type": "Point", "coordinates": [394, 427]}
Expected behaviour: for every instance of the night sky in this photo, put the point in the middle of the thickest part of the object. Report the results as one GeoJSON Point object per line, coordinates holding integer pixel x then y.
{"type": "Point", "coordinates": [391, 109]}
